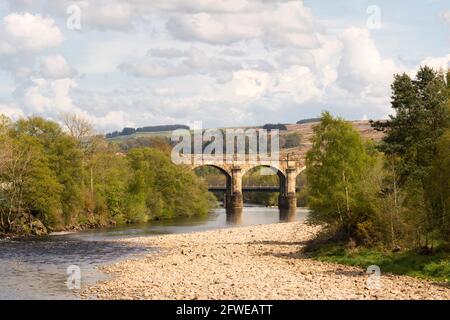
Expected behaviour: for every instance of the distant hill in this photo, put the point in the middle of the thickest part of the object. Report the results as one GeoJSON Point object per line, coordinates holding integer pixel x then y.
{"type": "Point", "coordinates": [303, 121]}
{"type": "Point", "coordinates": [130, 131]}
{"type": "Point", "coordinates": [272, 126]}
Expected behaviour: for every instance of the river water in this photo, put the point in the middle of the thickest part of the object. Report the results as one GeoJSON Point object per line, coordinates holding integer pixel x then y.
{"type": "Point", "coordinates": [37, 269]}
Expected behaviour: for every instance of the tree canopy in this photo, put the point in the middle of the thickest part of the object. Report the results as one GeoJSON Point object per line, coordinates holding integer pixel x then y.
{"type": "Point", "coordinates": [51, 179]}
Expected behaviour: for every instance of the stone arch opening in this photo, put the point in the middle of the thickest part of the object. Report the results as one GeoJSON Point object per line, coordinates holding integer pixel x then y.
{"type": "Point", "coordinates": [217, 178]}
{"type": "Point", "coordinates": [263, 185]}
{"type": "Point", "coordinates": [205, 171]}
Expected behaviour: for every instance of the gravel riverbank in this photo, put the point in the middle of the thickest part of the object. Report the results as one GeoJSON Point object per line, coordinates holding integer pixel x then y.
{"type": "Point", "coordinates": [260, 262]}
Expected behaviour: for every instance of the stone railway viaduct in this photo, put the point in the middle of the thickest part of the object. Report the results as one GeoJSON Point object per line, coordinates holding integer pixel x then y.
{"type": "Point", "coordinates": [286, 167]}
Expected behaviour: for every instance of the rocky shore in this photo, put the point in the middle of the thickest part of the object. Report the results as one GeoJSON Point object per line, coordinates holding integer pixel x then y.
{"type": "Point", "coordinates": [261, 262]}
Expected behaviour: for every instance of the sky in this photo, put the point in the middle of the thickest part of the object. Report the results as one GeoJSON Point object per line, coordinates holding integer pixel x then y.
{"type": "Point", "coordinates": [219, 63]}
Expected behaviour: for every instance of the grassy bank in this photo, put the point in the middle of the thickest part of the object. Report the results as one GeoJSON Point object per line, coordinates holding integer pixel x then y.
{"type": "Point", "coordinates": [434, 266]}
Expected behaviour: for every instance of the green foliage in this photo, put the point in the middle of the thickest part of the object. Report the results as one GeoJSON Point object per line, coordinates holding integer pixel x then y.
{"type": "Point", "coordinates": [290, 140]}
{"type": "Point", "coordinates": [64, 160]}
{"type": "Point", "coordinates": [400, 198]}
{"type": "Point", "coordinates": [339, 187]}
{"type": "Point", "coordinates": [49, 175]}
{"type": "Point", "coordinates": [163, 189]}
{"type": "Point", "coordinates": [435, 267]}
{"type": "Point", "coordinates": [110, 178]}
{"type": "Point", "coordinates": [302, 193]}
{"type": "Point", "coordinates": [30, 187]}
{"type": "Point", "coordinates": [5, 124]}
{"type": "Point", "coordinates": [417, 136]}
{"type": "Point", "coordinates": [254, 177]}
{"type": "Point", "coordinates": [422, 114]}
{"type": "Point", "coordinates": [438, 186]}
{"type": "Point", "coordinates": [42, 192]}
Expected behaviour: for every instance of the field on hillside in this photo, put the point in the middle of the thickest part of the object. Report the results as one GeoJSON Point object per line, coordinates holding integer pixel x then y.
{"type": "Point", "coordinates": [305, 130]}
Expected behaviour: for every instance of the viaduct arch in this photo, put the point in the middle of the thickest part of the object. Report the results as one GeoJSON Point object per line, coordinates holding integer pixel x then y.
{"type": "Point", "coordinates": [288, 169]}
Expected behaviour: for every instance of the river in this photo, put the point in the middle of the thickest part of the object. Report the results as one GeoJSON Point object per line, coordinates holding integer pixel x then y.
{"type": "Point", "coordinates": [37, 268]}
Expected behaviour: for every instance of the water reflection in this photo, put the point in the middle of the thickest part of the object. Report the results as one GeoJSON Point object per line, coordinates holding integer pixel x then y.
{"type": "Point", "coordinates": [234, 216]}
{"type": "Point", "coordinates": [288, 215]}
{"type": "Point", "coordinates": [31, 269]}
{"type": "Point", "coordinates": [36, 269]}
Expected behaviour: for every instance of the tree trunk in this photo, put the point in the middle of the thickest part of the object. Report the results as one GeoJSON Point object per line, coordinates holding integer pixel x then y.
{"type": "Point", "coordinates": [395, 204]}
{"type": "Point", "coordinates": [347, 201]}
{"type": "Point", "coordinates": [92, 183]}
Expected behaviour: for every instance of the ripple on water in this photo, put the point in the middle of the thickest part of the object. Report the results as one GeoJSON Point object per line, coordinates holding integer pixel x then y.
{"type": "Point", "coordinates": [36, 269]}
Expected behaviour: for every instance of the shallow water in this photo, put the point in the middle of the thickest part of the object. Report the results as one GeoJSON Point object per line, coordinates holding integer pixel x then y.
{"type": "Point", "coordinates": [37, 269]}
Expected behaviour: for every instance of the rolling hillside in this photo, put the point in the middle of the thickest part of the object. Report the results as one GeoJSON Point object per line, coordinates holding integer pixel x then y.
{"type": "Point", "coordinates": [305, 130]}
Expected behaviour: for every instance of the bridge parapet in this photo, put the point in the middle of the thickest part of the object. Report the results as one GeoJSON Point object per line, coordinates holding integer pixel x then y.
{"type": "Point", "coordinates": [246, 162]}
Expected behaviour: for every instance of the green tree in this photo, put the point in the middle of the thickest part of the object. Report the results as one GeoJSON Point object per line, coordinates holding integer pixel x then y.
{"type": "Point", "coordinates": [438, 186]}
{"type": "Point", "coordinates": [290, 140]}
{"type": "Point", "coordinates": [421, 115]}
{"type": "Point", "coordinates": [110, 175]}
{"type": "Point", "coordinates": [337, 166]}
{"type": "Point", "coordinates": [56, 180]}
{"type": "Point", "coordinates": [5, 124]}
{"type": "Point", "coordinates": [161, 189]}
{"type": "Point", "coordinates": [64, 158]}
{"type": "Point", "coordinates": [29, 187]}
{"type": "Point", "coordinates": [412, 136]}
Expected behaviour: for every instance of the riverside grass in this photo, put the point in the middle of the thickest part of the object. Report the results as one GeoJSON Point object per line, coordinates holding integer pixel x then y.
{"type": "Point", "coordinates": [435, 266]}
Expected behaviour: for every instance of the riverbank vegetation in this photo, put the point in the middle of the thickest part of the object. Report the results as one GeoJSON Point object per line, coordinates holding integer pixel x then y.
{"type": "Point", "coordinates": [55, 178]}
{"type": "Point", "coordinates": [411, 262]}
{"type": "Point", "coordinates": [389, 203]}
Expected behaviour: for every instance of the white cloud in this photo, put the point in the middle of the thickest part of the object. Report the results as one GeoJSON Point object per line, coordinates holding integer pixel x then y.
{"type": "Point", "coordinates": [11, 111]}
{"type": "Point", "coordinates": [112, 15]}
{"type": "Point", "coordinates": [279, 24]}
{"type": "Point", "coordinates": [20, 5]}
{"type": "Point", "coordinates": [445, 15]}
{"type": "Point", "coordinates": [51, 98]}
{"type": "Point", "coordinates": [193, 62]}
{"type": "Point", "coordinates": [164, 91]}
{"type": "Point", "coordinates": [361, 67]}
{"type": "Point", "coordinates": [195, 6]}
{"type": "Point", "coordinates": [24, 32]}
{"type": "Point", "coordinates": [232, 52]}
{"type": "Point", "coordinates": [123, 15]}
{"type": "Point", "coordinates": [55, 67]}
{"type": "Point", "coordinates": [103, 57]}
{"type": "Point", "coordinates": [112, 119]}
{"type": "Point", "coordinates": [208, 28]}
{"type": "Point", "coordinates": [104, 15]}
{"type": "Point", "coordinates": [149, 67]}
{"type": "Point", "coordinates": [224, 62]}
{"type": "Point", "coordinates": [250, 83]}
{"type": "Point", "coordinates": [100, 14]}
{"type": "Point", "coordinates": [167, 53]}
{"type": "Point", "coordinates": [46, 97]}
{"type": "Point", "coordinates": [287, 85]}
{"type": "Point", "coordinates": [436, 63]}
